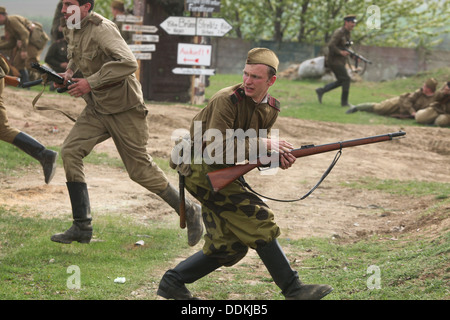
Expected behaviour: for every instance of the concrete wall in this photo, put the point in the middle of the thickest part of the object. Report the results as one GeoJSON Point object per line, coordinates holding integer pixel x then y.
{"type": "Point", "coordinates": [387, 63]}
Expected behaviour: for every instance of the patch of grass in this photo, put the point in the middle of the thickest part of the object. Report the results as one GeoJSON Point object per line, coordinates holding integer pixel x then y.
{"type": "Point", "coordinates": [33, 267]}
{"type": "Point", "coordinates": [406, 269]}
{"type": "Point", "coordinates": [412, 188]}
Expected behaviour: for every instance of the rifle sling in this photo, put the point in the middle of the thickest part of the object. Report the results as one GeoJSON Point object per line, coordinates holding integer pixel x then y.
{"type": "Point", "coordinates": [35, 100]}
{"type": "Point", "coordinates": [333, 163]}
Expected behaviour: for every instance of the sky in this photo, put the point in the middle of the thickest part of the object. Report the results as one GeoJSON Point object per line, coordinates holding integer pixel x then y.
{"type": "Point", "coordinates": [44, 8]}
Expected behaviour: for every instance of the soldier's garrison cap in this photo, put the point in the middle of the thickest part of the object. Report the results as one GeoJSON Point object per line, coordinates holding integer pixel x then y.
{"type": "Point", "coordinates": [2, 10]}
{"type": "Point", "coordinates": [431, 84]}
{"type": "Point", "coordinates": [263, 56]}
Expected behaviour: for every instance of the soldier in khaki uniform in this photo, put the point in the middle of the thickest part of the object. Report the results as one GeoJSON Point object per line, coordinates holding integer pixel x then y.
{"type": "Point", "coordinates": [18, 30]}
{"type": "Point", "coordinates": [438, 112]}
{"type": "Point", "coordinates": [236, 219]}
{"type": "Point", "coordinates": [403, 106]}
{"type": "Point", "coordinates": [115, 109]}
{"type": "Point", "coordinates": [336, 60]}
{"type": "Point", "coordinates": [26, 143]}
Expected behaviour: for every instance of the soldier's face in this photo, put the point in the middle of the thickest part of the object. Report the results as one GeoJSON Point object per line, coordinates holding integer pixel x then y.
{"type": "Point", "coordinates": [256, 81]}
{"type": "Point", "coordinates": [83, 9]}
{"type": "Point", "coordinates": [349, 25]}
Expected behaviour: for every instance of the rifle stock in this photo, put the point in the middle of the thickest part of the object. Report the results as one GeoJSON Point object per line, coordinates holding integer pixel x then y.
{"type": "Point", "coordinates": [17, 82]}
{"type": "Point", "coordinates": [219, 179]}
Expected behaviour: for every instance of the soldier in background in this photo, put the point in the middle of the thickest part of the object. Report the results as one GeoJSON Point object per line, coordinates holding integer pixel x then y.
{"type": "Point", "coordinates": [404, 106]}
{"type": "Point", "coordinates": [438, 112]}
{"type": "Point", "coordinates": [23, 141]}
{"type": "Point", "coordinates": [118, 8]}
{"type": "Point", "coordinates": [26, 39]}
{"type": "Point", "coordinates": [337, 59]}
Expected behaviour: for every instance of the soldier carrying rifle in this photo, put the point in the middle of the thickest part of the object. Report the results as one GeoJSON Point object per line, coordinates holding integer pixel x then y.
{"type": "Point", "coordinates": [236, 219]}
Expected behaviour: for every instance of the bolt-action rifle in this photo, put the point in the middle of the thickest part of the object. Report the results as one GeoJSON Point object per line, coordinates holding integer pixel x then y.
{"type": "Point", "coordinates": [219, 179]}
{"type": "Point", "coordinates": [17, 82]}
{"type": "Point", "coordinates": [52, 76]}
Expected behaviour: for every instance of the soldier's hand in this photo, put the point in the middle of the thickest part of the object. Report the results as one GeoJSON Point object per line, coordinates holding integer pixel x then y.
{"type": "Point", "coordinates": [287, 160]}
{"type": "Point", "coordinates": [345, 53]}
{"type": "Point", "coordinates": [79, 88]}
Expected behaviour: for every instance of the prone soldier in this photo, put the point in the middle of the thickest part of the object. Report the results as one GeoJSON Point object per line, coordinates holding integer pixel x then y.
{"type": "Point", "coordinates": [438, 112]}
{"type": "Point", "coordinates": [403, 106]}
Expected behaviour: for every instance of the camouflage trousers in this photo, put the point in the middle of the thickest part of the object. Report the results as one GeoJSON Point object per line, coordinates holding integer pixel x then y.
{"type": "Point", "coordinates": [235, 219]}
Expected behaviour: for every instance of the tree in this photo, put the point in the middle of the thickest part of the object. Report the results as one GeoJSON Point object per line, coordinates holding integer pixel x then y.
{"type": "Point", "coordinates": [404, 23]}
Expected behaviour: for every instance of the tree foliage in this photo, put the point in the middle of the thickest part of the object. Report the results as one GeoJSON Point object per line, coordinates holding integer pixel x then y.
{"type": "Point", "coordinates": [404, 23]}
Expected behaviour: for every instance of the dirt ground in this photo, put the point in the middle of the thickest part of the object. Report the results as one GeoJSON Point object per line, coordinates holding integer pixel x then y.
{"type": "Point", "coordinates": [331, 211]}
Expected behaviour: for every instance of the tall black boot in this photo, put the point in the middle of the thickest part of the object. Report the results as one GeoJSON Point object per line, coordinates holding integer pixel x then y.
{"type": "Point", "coordinates": [344, 99]}
{"type": "Point", "coordinates": [193, 213]}
{"type": "Point", "coordinates": [172, 285]}
{"type": "Point", "coordinates": [321, 91]}
{"type": "Point", "coordinates": [81, 229]}
{"type": "Point", "coordinates": [32, 147]}
{"type": "Point", "coordinates": [286, 279]}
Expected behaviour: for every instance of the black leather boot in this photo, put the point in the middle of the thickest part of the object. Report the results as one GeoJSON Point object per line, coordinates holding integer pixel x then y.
{"type": "Point", "coordinates": [81, 229]}
{"type": "Point", "coordinates": [32, 147]}
{"type": "Point", "coordinates": [172, 285]}
{"type": "Point", "coordinates": [321, 91]}
{"type": "Point", "coordinates": [344, 99]}
{"type": "Point", "coordinates": [286, 279]}
{"type": "Point", "coordinates": [194, 220]}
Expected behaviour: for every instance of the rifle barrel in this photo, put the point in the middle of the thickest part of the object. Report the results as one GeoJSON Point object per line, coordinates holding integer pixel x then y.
{"type": "Point", "coordinates": [219, 179]}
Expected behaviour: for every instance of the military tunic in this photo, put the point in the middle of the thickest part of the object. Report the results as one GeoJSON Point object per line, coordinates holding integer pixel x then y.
{"type": "Point", "coordinates": [234, 218]}
{"type": "Point", "coordinates": [7, 133]}
{"type": "Point", "coordinates": [115, 105]}
{"type": "Point", "coordinates": [405, 104]}
{"type": "Point", "coordinates": [18, 29]}
{"type": "Point", "coordinates": [438, 112]}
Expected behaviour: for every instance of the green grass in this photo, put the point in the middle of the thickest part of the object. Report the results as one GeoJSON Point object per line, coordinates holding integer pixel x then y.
{"type": "Point", "coordinates": [33, 267]}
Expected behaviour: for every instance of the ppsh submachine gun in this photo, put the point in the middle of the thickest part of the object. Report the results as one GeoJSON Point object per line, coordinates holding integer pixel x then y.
{"type": "Point", "coordinates": [52, 76]}
{"type": "Point", "coordinates": [355, 56]}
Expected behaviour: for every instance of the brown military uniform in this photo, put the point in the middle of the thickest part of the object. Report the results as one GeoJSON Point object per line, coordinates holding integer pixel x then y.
{"type": "Point", "coordinates": [336, 62]}
{"type": "Point", "coordinates": [7, 133]}
{"type": "Point", "coordinates": [19, 28]}
{"type": "Point", "coordinates": [235, 219]}
{"type": "Point", "coordinates": [115, 106]}
{"type": "Point", "coordinates": [406, 104]}
{"type": "Point", "coordinates": [438, 112]}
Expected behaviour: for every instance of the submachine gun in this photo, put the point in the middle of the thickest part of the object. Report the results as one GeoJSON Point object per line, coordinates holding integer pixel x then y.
{"type": "Point", "coordinates": [52, 76]}
{"type": "Point", "coordinates": [356, 56]}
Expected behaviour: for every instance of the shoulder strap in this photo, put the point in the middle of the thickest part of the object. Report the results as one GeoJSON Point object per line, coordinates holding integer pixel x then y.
{"type": "Point", "coordinates": [237, 96]}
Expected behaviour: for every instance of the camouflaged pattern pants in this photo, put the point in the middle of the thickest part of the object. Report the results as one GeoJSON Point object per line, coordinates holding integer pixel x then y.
{"type": "Point", "coordinates": [235, 219]}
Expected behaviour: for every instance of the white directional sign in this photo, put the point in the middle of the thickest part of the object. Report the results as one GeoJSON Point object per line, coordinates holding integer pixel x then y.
{"type": "Point", "coordinates": [129, 18]}
{"type": "Point", "coordinates": [145, 38]}
{"type": "Point", "coordinates": [143, 55]}
{"type": "Point", "coordinates": [142, 47]}
{"type": "Point", "coordinates": [194, 54]}
{"type": "Point", "coordinates": [139, 28]}
{"type": "Point", "coordinates": [212, 27]}
{"type": "Point", "coordinates": [187, 26]}
{"type": "Point", "coordinates": [179, 25]}
{"type": "Point", "coordinates": [192, 71]}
